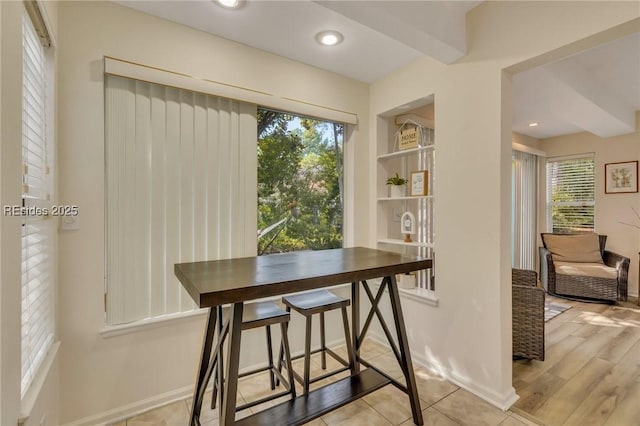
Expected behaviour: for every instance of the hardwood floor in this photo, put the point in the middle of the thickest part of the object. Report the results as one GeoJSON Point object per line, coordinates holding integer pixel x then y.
{"type": "Point", "coordinates": [591, 373]}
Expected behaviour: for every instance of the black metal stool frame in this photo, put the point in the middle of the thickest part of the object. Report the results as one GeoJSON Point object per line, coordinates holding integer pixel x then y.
{"type": "Point", "coordinates": [223, 331]}
{"type": "Point", "coordinates": [306, 381]}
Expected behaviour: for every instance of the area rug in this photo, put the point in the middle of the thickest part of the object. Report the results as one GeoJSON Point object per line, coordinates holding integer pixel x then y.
{"type": "Point", "coordinates": [553, 309]}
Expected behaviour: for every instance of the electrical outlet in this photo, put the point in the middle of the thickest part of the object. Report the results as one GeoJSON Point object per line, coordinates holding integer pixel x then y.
{"type": "Point", "coordinates": [69, 223]}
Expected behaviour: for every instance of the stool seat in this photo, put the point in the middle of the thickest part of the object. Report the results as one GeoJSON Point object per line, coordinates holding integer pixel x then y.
{"type": "Point", "coordinates": [315, 301]}
{"type": "Point", "coordinates": [308, 304]}
{"type": "Point", "coordinates": [260, 314]}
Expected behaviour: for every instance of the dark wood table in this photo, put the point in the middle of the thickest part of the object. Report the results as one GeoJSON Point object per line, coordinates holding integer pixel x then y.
{"type": "Point", "coordinates": [235, 281]}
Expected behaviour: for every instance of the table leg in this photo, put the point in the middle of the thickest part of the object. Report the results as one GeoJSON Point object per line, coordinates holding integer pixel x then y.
{"type": "Point", "coordinates": [228, 406]}
{"type": "Point", "coordinates": [205, 358]}
{"type": "Point", "coordinates": [405, 355]}
{"type": "Point", "coordinates": [355, 325]}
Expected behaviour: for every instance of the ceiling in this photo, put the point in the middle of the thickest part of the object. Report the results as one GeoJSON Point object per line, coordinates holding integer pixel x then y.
{"type": "Point", "coordinates": [597, 90]}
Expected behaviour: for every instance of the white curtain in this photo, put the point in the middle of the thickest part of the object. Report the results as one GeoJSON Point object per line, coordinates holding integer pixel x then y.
{"type": "Point", "coordinates": [524, 209]}
{"type": "Point", "coordinates": [181, 177]}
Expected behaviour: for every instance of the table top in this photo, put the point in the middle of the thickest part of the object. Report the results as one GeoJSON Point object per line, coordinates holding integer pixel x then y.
{"type": "Point", "coordinates": [216, 282]}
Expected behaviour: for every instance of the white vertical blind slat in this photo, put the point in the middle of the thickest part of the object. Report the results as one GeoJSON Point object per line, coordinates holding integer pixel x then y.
{"type": "Point", "coordinates": [525, 209]}
{"type": "Point", "coordinates": [179, 164]}
{"type": "Point", "coordinates": [158, 229]}
{"type": "Point", "coordinates": [213, 156]}
{"type": "Point", "coordinates": [172, 164]}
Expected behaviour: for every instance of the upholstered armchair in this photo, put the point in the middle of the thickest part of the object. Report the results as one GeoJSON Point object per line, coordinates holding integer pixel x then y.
{"type": "Point", "coordinates": [578, 266]}
{"type": "Point", "coordinates": [527, 313]}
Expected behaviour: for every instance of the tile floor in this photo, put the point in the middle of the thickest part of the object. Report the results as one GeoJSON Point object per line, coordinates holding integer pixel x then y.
{"type": "Point", "coordinates": [443, 403]}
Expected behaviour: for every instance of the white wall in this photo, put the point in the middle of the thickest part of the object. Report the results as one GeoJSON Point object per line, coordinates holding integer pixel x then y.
{"type": "Point", "coordinates": [467, 336]}
{"type": "Point", "coordinates": [611, 209]}
{"type": "Point", "coordinates": [10, 177]}
{"type": "Point", "coordinates": [100, 376]}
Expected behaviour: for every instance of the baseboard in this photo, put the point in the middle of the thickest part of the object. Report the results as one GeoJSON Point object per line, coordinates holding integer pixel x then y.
{"type": "Point", "coordinates": [126, 411]}
{"type": "Point", "coordinates": [502, 401]}
{"type": "Point", "coordinates": [133, 409]}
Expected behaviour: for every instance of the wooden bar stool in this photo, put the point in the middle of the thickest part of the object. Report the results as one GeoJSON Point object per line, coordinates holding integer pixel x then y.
{"type": "Point", "coordinates": [308, 304]}
{"type": "Point", "coordinates": [254, 315]}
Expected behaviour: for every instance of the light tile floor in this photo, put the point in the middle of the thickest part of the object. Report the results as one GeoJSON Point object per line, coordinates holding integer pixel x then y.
{"type": "Point", "coordinates": [443, 403]}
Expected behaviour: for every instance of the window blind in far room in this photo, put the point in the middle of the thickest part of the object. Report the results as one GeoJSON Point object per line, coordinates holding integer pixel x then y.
{"type": "Point", "coordinates": [571, 194]}
{"type": "Point", "coordinates": [524, 209]}
{"type": "Point", "coordinates": [180, 187]}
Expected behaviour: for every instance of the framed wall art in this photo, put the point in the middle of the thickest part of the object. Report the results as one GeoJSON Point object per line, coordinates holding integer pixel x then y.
{"type": "Point", "coordinates": [621, 177]}
{"type": "Point", "coordinates": [419, 183]}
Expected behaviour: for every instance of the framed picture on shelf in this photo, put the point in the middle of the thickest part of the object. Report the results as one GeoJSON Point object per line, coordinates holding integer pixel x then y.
{"type": "Point", "coordinates": [621, 177]}
{"type": "Point", "coordinates": [419, 183]}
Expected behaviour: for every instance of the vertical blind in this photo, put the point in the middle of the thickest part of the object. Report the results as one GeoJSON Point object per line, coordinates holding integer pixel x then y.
{"type": "Point", "coordinates": [571, 194]}
{"type": "Point", "coordinates": [37, 273]}
{"type": "Point", "coordinates": [181, 177]}
{"type": "Point", "coordinates": [524, 209]}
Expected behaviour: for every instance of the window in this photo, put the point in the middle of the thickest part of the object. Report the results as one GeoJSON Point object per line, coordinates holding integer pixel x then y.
{"type": "Point", "coordinates": [300, 183]}
{"type": "Point", "coordinates": [37, 248]}
{"type": "Point", "coordinates": [571, 194]}
{"type": "Point", "coordinates": [524, 178]}
{"type": "Point", "coordinates": [180, 187]}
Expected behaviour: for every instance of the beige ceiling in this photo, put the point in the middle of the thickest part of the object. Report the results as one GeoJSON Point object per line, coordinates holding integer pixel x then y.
{"type": "Point", "coordinates": [596, 90]}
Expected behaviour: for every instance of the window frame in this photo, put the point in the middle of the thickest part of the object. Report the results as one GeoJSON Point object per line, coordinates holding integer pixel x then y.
{"type": "Point", "coordinates": [341, 173]}
{"type": "Point", "coordinates": [117, 67]}
{"type": "Point", "coordinates": [550, 204]}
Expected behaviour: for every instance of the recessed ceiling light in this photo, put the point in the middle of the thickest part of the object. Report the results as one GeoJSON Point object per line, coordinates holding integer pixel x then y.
{"type": "Point", "coordinates": [230, 4]}
{"type": "Point", "coordinates": [329, 38]}
{"type": "Point", "coordinates": [534, 124]}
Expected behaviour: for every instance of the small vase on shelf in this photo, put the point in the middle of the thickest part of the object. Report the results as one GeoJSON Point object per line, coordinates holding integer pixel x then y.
{"type": "Point", "coordinates": [397, 185]}
{"type": "Point", "coordinates": [397, 191]}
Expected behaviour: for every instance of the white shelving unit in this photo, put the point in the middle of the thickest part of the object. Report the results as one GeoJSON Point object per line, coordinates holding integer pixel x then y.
{"type": "Point", "coordinates": [406, 152]}
{"type": "Point", "coordinates": [389, 209]}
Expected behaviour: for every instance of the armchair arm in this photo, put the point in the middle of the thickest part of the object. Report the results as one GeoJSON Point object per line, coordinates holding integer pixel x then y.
{"type": "Point", "coordinates": [528, 321]}
{"type": "Point", "coordinates": [621, 264]}
{"type": "Point", "coordinates": [547, 271]}
{"type": "Point", "coordinates": [524, 277]}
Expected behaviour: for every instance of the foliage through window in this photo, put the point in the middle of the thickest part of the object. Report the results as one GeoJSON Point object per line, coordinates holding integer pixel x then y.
{"type": "Point", "coordinates": [571, 194]}
{"type": "Point", "coordinates": [300, 183]}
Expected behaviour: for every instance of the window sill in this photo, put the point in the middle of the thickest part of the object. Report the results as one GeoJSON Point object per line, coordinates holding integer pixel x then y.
{"type": "Point", "coordinates": [117, 330]}
{"type": "Point", "coordinates": [421, 295]}
{"type": "Point", "coordinates": [33, 392]}
{"type": "Point", "coordinates": [109, 331]}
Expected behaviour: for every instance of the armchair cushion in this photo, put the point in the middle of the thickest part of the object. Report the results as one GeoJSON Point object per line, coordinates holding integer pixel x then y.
{"type": "Point", "coordinates": [598, 270]}
{"type": "Point", "coordinates": [583, 248]}
{"type": "Point", "coordinates": [584, 280]}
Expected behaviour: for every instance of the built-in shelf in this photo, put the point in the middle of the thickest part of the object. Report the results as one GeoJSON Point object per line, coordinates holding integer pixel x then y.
{"type": "Point", "coordinates": [405, 152]}
{"type": "Point", "coordinates": [416, 119]}
{"type": "Point", "coordinates": [391, 206]}
{"type": "Point", "coordinates": [402, 243]}
{"type": "Point", "coordinates": [422, 197]}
